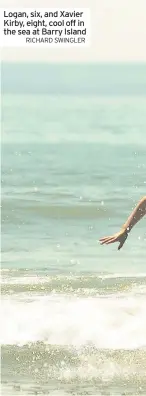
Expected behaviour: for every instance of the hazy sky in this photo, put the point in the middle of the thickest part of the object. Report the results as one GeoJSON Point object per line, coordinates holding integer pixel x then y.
{"type": "Point", "coordinates": [118, 32]}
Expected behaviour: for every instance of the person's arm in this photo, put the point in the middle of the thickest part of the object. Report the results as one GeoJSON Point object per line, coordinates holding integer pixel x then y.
{"type": "Point", "coordinates": [136, 215]}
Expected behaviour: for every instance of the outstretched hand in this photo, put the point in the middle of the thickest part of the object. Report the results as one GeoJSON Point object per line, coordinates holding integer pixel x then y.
{"type": "Point", "coordinates": [118, 237]}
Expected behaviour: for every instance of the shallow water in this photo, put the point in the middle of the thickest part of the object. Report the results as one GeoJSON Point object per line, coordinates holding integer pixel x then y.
{"type": "Point", "coordinates": [73, 312]}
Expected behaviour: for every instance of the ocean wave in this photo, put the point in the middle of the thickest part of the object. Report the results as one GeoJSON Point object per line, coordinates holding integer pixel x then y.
{"type": "Point", "coordinates": [88, 210]}
{"type": "Point", "coordinates": [67, 364]}
{"type": "Point", "coordinates": [82, 284]}
{"type": "Point", "coordinates": [106, 322]}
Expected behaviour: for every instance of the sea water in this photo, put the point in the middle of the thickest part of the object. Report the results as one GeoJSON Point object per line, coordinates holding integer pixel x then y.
{"type": "Point", "coordinates": [73, 167]}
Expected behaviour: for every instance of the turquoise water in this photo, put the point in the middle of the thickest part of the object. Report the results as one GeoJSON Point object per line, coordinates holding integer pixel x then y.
{"type": "Point", "coordinates": [73, 312]}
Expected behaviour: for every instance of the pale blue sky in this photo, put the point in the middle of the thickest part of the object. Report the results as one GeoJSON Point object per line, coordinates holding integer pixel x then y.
{"type": "Point", "coordinates": [118, 33]}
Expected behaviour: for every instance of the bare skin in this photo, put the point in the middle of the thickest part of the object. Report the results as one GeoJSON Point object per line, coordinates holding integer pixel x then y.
{"type": "Point", "coordinates": [121, 236]}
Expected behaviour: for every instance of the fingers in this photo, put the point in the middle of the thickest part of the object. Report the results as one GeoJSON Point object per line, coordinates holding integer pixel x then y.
{"type": "Point", "coordinates": [107, 240]}
{"type": "Point", "coordinates": [103, 240]}
{"type": "Point", "coordinates": [122, 243]}
{"type": "Point", "coordinates": [119, 237]}
{"type": "Point", "coordinates": [111, 240]}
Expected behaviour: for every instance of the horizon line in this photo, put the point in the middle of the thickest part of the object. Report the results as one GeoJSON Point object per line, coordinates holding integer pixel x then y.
{"type": "Point", "coordinates": [74, 62]}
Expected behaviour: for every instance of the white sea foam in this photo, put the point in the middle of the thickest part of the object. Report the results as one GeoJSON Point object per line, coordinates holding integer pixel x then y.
{"type": "Point", "coordinates": [25, 280]}
{"type": "Point", "coordinates": [35, 279]}
{"type": "Point", "coordinates": [115, 322]}
{"type": "Point", "coordinates": [123, 275]}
